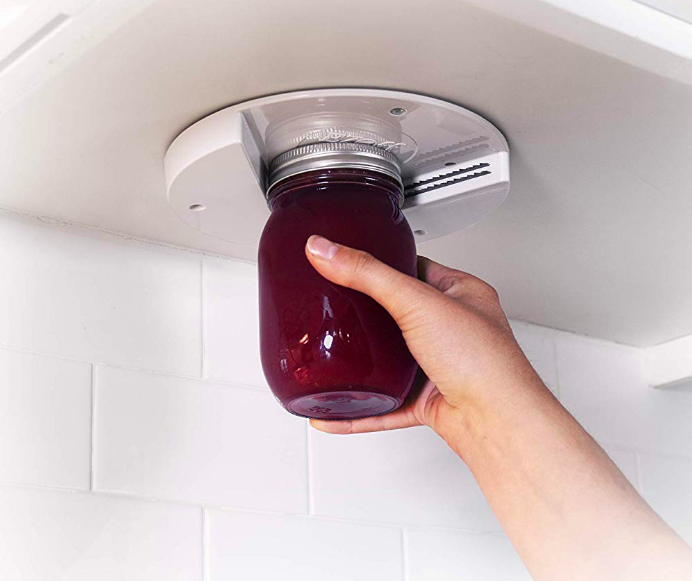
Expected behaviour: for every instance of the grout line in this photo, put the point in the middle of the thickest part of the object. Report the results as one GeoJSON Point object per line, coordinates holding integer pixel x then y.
{"type": "Point", "coordinates": [206, 574]}
{"type": "Point", "coordinates": [4, 347]}
{"type": "Point", "coordinates": [203, 369]}
{"type": "Point", "coordinates": [92, 446]}
{"type": "Point", "coordinates": [377, 524]}
{"type": "Point", "coordinates": [46, 488]}
{"type": "Point", "coordinates": [126, 496]}
{"type": "Point", "coordinates": [308, 467]}
{"type": "Point", "coordinates": [639, 450]}
{"type": "Point", "coordinates": [77, 359]}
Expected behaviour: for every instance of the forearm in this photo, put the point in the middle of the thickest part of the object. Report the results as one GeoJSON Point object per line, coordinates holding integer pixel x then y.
{"type": "Point", "coordinates": [569, 511]}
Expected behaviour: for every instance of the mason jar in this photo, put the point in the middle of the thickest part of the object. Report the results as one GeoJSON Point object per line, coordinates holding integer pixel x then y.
{"type": "Point", "coordinates": [330, 352]}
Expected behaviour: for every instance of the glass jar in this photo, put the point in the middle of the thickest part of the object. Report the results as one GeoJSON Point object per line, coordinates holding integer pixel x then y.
{"type": "Point", "coordinates": [330, 352]}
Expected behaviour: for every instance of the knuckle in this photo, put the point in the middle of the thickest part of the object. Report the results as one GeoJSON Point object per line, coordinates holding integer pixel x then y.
{"type": "Point", "coordinates": [361, 263]}
{"type": "Point", "coordinates": [466, 286]}
{"type": "Point", "coordinates": [491, 291]}
{"type": "Point", "coordinates": [453, 279]}
{"type": "Point", "coordinates": [482, 288]}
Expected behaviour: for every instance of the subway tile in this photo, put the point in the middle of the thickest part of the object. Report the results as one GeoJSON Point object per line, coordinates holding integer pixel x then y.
{"type": "Point", "coordinates": [404, 476]}
{"type": "Point", "coordinates": [604, 386]}
{"type": "Point", "coordinates": [538, 345]}
{"type": "Point", "coordinates": [255, 547]}
{"type": "Point", "coordinates": [433, 555]}
{"type": "Point", "coordinates": [45, 420]}
{"type": "Point", "coordinates": [82, 537]}
{"type": "Point", "coordinates": [101, 301]}
{"type": "Point", "coordinates": [189, 440]}
{"type": "Point", "coordinates": [625, 460]}
{"type": "Point", "coordinates": [666, 484]}
{"type": "Point", "coordinates": [231, 323]}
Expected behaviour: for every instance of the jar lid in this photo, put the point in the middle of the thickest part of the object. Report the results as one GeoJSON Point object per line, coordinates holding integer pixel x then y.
{"type": "Point", "coordinates": [333, 156]}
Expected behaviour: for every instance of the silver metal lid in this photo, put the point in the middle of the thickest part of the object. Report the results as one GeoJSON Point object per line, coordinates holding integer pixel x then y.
{"type": "Point", "coordinates": [332, 156]}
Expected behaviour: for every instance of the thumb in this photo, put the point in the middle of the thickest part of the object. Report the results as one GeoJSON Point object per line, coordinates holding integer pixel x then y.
{"type": "Point", "coordinates": [397, 292]}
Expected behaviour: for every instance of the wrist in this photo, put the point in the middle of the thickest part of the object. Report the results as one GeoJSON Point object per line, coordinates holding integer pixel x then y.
{"type": "Point", "coordinates": [493, 410]}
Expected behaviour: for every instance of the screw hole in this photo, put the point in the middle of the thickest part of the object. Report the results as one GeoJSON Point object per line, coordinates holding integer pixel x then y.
{"type": "Point", "coordinates": [420, 232]}
{"type": "Point", "coordinates": [450, 163]}
{"type": "Point", "coordinates": [198, 207]}
{"type": "Point", "coordinates": [398, 111]}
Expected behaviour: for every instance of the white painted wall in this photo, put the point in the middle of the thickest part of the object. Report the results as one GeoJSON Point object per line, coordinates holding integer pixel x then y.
{"type": "Point", "coordinates": [138, 439]}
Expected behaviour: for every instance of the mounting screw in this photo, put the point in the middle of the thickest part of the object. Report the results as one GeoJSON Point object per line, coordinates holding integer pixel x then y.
{"type": "Point", "coordinates": [398, 111]}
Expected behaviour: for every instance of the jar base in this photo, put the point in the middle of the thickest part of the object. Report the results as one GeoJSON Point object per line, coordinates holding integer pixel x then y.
{"type": "Point", "coordinates": [342, 405]}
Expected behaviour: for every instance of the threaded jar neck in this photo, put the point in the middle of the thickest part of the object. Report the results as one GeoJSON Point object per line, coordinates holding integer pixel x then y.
{"type": "Point", "coordinates": [332, 156]}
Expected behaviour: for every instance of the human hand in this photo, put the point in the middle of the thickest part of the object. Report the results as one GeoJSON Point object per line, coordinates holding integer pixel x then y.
{"type": "Point", "coordinates": [484, 398]}
{"type": "Point", "coordinates": [453, 325]}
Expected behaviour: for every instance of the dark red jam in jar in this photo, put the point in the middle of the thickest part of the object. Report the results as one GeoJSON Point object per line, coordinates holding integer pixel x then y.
{"type": "Point", "coordinates": [330, 352]}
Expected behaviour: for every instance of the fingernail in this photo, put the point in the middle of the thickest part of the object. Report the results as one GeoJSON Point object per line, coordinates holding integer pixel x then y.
{"type": "Point", "coordinates": [321, 247]}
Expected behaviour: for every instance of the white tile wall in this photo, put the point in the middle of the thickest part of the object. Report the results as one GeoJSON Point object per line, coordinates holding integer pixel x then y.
{"type": "Point", "coordinates": [181, 439]}
{"type": "Point", "coordinates": [192, 443]}
{"type": "Point", "coordinates": [45, 420]}
{"type": "Point", "coordinates": [666, 484]}
{"type": "Point", "coordinates": [48, 535]}
{"type": "Point", "coordinates": [255, 547]}
{"type": "Point", "coordinates": [538, 345]}
{"type": "Point", "coordinates": [80, 297]}
{"type": "Point", "coordinates": [231, 323]}
{"type": "Point", "coordinates": [626, 461]}
{"type": "Point", "coordinates": [433, 555]}
{"type": "Point", "coordinates": [404, 476]}
{"type": "Point", "coordinates": [604, 386]}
